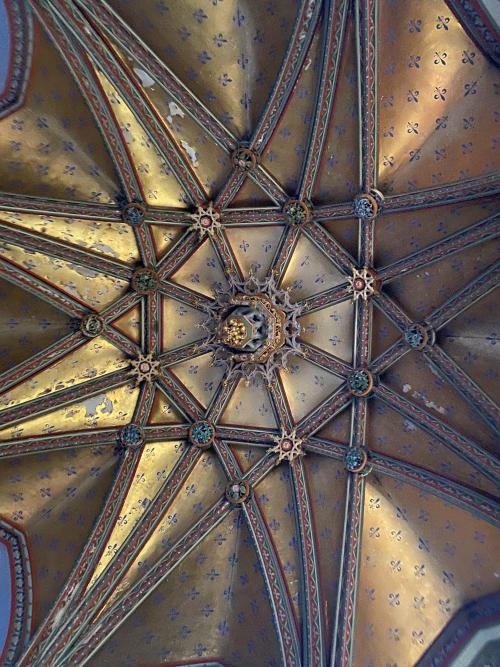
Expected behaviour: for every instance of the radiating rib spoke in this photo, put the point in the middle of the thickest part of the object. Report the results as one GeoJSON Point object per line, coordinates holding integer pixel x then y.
{"type": "Point", "coordinates": [465, 297]}
{"type": "Point", "coordinates": [458, 443]}
{"type": "Point", "coordinates": [75, 586]}
{"type": "Point", "coordinates": [31, 240]}
{"type": "Point", "coordinates": [466, 238]}
{"type": "Point", "coordinates": [455, 193]}
{"type": "Point", "coordinates": [458, 378]}
{"type": "Point", "coordinates": [151, 121]}
{"type": "Point", "coordinates": [82, 71]}
{"type": "Point", "coordinates": [335, 20]}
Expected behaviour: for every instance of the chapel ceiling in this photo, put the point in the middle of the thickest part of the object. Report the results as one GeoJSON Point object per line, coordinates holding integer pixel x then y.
{"type": "Point", "coordinates": [249, 257]}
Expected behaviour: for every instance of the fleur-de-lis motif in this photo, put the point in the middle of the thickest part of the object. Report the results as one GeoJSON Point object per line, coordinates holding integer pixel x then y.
{"type": "Point", "coordinates": [442, 22]}
{"type": "Point", "coordinates": [440, 57]}
{"type": "Point", "coordinates": [468, 57]}
{"type": "Point", "coordinates": [440, 93]}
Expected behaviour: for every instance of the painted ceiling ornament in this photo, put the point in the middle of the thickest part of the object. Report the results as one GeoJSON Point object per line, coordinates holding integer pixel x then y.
{"type": "Point", "coordinates": [360, 382]}
{"type": "Point", "coordinates": [237, 491]}
{"type": "Point", "coordinates": [253, 328]}
{"type": "Point", "coordinates": [144, 280]}
{"type": "Point", "coordinates": [201, 434]}
{"type": "Point", "coordinates": [205, 220]}
{"type": "Point", "coordinates": [288, 446]}
{"type": "Point", "coordinates": [367, 204]}
{"type": "Point", "coordinates": [355, 459]}
{"type": "Point", "coordinates": [362, 283]}
{"type": "Point", "coordinates": [297, 211]}
{"type": "Point", "coordinates": [245, 158]}
{"type": "Point", "coordinates": [131, 436]}
{"type": "Point", "coordinates": [418, 336]}
{"type": "Point", "coordinates": [144, 368]}
{"type": "Point", "coordinates": [91, 325]}
{"type": "Point", "coordinates": [133, 213]}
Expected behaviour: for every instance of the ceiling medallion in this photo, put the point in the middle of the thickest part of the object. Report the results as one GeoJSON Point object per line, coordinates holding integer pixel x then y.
{"type": "Point", "coordinates": [245, 159]}
{"type": "Point", "coordinates": [144, 368]}
{"type": "Point", "coordinates": [417, 336]}
{"type": "Point", "coordinates": [360, 382]}
{"type": "Point", "coordinates": [144, 281]}
{"type": "Point", "coordinates": [133, 213]}
{"type": "Point", "coordinates": [131, 436]}
{"type": "Point", "coordinates": [201, 434]}
{"type": "Point", "coordinates": [205, 220]}
{"type": "Point", "coordinates": [367, 205]}
{"type": "Point", "coordinates": [253, 328]}
{"type": "Point", "coordinates": [297, 211]}
{"type": "Point", "coordinates": [238, 491]}
{"type": "Point", "coordinates": [91, 325]}
{"type": "Point", "coordinates": [355, 459]}
{"type": "Point", "coordinates": [362, 283]}
{"type": "Point", "coordinates": [288, 446]}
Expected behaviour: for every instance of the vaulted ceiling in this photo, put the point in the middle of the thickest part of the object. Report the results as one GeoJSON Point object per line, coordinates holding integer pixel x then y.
{"type": "Point", "coordinates": [249, 254]}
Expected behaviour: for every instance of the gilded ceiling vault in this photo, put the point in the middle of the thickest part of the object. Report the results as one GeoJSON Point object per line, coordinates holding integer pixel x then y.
{"type": "Point", "coordinates": [248, 343]}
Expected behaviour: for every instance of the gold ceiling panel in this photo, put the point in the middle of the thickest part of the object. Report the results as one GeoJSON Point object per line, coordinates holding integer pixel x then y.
{"type": "Point", "coordinates": [423, 290]}
{"type": "Point", "coordinates": [94, 289]}
{"type": "Point", "coordinates": [130, 323]}
{"type": "Point", "coordinates": [202, 272]}
{"type": "Point", "coordinates": [90, 361]}
{"type": "Point", "coordinates": [291, 134]}
{"type": "Point", "coordinates": [55, 498]}
{"type": "Point", "coordinates": [413, 378]}
{"type": "Point", "coordinates": [247, 456]}
{"type": "Point", "coordinates": [338, 169]}
{"type": "Point", "coordinates": [309, 271]}
{"type": "Point", "coordinates": [106, 409]}
{"type": "Point", "coordinates": [400, 234]}
{"type": "Point", "coordinates": [164, 237]}
{"type": "Point", "coordinates": [162, 411]}
{"type": "Point", "coordinates": [436, 99]}
{"type": "Point", "coordinates": [203, 487]}
{"type": "Point", "coordinates": [114, 239]}
{"type": "Point", "coordinates": [394, 435]}
{"type": "Point", "coordinates": [28, 325]}
{"type": "Point", "coordinates": [227, 53]}
{"type": "Point", "coordinates": [250, 405]}
{"type": "Point", "coordinates": [330, 329]}
{"type": "Point", "coordinates": [275, 499]}
{"type": "Point", "coordinates": [315, 385]}
{"type": "Point", "coordinates": [159, 183]}
{"type": "Point", "coordinates": [254, 247]}
{"type": "Point", "coordinates": [345, 230]}
{"type": "Point", "coordinates": [156, 462]}
{"type": "Point", "coordinates": [421, 560]}
{"type": "Point", "coordinates": [250, 194]}
{"type": "Point", "coordinates": [326, 480]}
{"type": "Point", "coordinates": [51, 146]}
{"type": "Point", "coordinates": [385, 332]}
{"type": "Point", "coordinates": [187, 327]}
{"type": "Point", "coordinates": [208, 160]}
{"type": "Point", "coordinates": [338, 429]}
{"type": "Point", "coordinates": [471, 340]}
{"type": "Point", "coordinates": [199, 377]}
{"type": "Point", "coordinates": [202, 609]}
